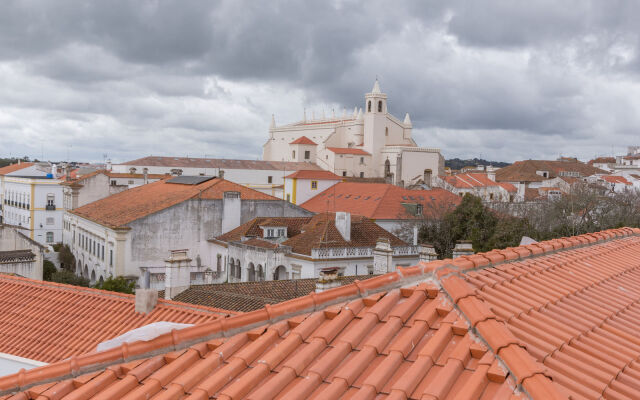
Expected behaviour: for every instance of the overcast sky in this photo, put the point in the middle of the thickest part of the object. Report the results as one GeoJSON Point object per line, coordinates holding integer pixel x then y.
{"type": "Point", "coordinates": [503, 80]}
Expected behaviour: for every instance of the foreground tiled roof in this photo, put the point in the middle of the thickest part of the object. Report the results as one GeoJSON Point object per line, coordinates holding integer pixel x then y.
{"type": "Point", "coordinates": [312, 174]}
{"type": "Point", "coordinates": [319, 231]}
{"type": "Point", "coordinates": [49, 322]}
{"type": "Point", "coordinates": [525, 171]}
{"type": "Point", "coordinates": [250, 296]}
{"type": "Point", "coordinates": [122, 208]}
{"type": "Point", "coordinates": [381, 200]}
{"type": "Point", "coordinates": [14, 167]}
{"type": "Point", "coordinates": [223, 163]}
{"type": "Point", "coordinates": [547, 321]}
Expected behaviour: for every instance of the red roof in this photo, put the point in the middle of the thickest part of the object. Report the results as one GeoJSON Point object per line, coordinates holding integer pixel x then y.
{"type": "Point", "coordinates": [348, 150]}
{"type": "Point", "coordinates": [474, 179]}
{"type": "Point", "coordinates": [546, 321]}
{"type": "Point", "coordinates": [49, 322]}
{"type": "Point", "coordinates": [616, 179]}
{"type": "Point", "coordinates": [122, 208]}
{"type": "Point", "coordinates": [303, 140]}
{"type": "Point", "coordinates": [380, 200]}
{"type": "Point", "coordinates": [508, 187]}
{"type": "Point", "coordinates": [311, 174]}
{"type": "Point", "coordinates": [603, 160]}
{"type": "Point", "coordinates": [14, 167]}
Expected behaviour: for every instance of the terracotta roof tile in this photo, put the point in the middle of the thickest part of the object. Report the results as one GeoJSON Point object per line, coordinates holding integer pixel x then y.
{"type": "Point", "coordinates": [525, 171]}
{"type": "Point", "coordinates": [223, 163]}
{"type": "Point", "coordinates": [558, 325]}
{"type": "Point", "coordinates": [14, 167]}
{"type": "Point", "coordinates": [303, 140]}
{"type": "Point", "coordinates": [381, 200]}
{"type": "Point", "coordinates": [616, 179]}
{"type": "Point", "coordinates": [312, 174]}
{"type": "Point", "coordinates": [49, 322]}
{"type": "Point", "coordinates": [603, 160]}
{"type": "Point", "coordinates": [348, 150]}
{"type": "Point", "coordinates": [118, 210]}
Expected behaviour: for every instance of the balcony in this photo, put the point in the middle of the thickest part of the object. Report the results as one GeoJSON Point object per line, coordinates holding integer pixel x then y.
{"type": "Point", "coordinates": [50, 207]}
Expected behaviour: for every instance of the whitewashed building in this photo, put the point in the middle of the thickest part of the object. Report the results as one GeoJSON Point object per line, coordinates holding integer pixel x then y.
{"type": "Point", "coordinates": [32, 198]}
{"type": "Point", "coordinates": [19, 254]}
{"type": "Point", "coordinates": [264, 176]}
{"type": "Point", "coordinates": [130, 233]}
{"type": "Point", "coordinates": [368, 144]}
{"type": "Point", "coordinates": [294, 248]}
{"type": "Point", "coordinates": [303, 185]}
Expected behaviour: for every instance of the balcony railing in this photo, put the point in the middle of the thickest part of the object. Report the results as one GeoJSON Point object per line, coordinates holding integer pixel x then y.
{"type": "Point", "coordinates": [358, 252]}
{"type": "Point", "coordinates": [50, 207]}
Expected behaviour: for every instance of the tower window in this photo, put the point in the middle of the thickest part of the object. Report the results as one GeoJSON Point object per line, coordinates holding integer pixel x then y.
{"type": "Point", "coordinates": [386, 131]}
{"type": "Point", "coordinates": [380, 106]}
{"type": "Point", "coordinates": [307, 154]}
{"type": "Point", "coordinates": [369, 106]}
{"type": "Point", "coordinates": [293, 154]}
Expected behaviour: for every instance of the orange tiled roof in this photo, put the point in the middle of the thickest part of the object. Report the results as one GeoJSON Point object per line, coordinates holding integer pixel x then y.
{"type": "Point", "coordinates": [603, 160]}
{"type": "Point", "coordinates": [303, 140]}
{"type": "Point", "coordinates": [525, 171]}
{"type": "Point", "coordinates": [616, 179]}
{"type": "Point", "coordinates": [348, 150]}
{"type": "Point", "coordinates": [508, 187]}
{"type": "Point", "coordinates": [14, 167]}
{"type": "Point", "coordinates": [49, 322]}
{"type": "Point", "coordinates": [473, 179]}
{"type": "Point", "coordinates": [545, 321]}
{"type": "Point", "coordinates": [313, 174]}
{"type": "Point", "coordinates": [118, 210]}
{"type": "Point", "coordinates": [380, 200]}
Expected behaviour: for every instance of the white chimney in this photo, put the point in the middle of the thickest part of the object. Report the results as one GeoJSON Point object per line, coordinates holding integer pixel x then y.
{"type": "Point", "coordinates": [146, 300]}
{"type": "Point", "coordinates": [231, 209]}
{"type": "Point", "coordinates": [382, 257]}
{"type": "Point", "coordinates": [343, 224]}
{"type": "Point", "coordinates": [145, 172]}
{"type": "Point", "coordinates": [177, 276]}
{"type": "Point", "coordinates": [109, 166]}
{"type": "Point", "coordinates": [328, 279]}
{"type": "Point", "coordinates": [54, 170]}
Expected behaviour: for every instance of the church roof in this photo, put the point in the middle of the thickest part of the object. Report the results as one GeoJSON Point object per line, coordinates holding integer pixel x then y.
{"type": "Point", "coordinates": [545, 321]}
{"type": "Point", "coordinates": [49, 322]}
{"type": "Point", "coordinates": [376, 88]}
{"type": "Point", "coordinates": [348, 150]}
{"type": "Point", "coordinates": [303, 140]}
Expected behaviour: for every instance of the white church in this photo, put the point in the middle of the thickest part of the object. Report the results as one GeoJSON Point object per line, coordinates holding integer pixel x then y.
{"type": "Point", "coordinates": [367, 144]}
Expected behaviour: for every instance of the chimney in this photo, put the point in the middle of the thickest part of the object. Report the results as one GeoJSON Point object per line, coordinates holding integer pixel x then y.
{"type": "Point", "coordinates": [343, 224]}
{"type": "Point", "coordinates": [427, 252]}
{"type": "Point", "coordinates": [221, 174]}
{"type": "Point", "coordinates": [145, 172]}
{"type": "Point", "coordinates": [231, 209]}
{"type": "Point", "coordinates": [383, 257]}
{"type": "Point", "coordinates": [177, 276]}
{"type": "Point", "coordinates": [463, 248]}
{"type": "Point", "coordinates": [109, 166]}
{"type": "Point", "coordinates": [427, 178]}
{"type": "Point", "coordinates": [54, 170]}
{"type": "Point", "coordinates": [328, 279]}
{"type": "Point", "coordinates": [146, 300]}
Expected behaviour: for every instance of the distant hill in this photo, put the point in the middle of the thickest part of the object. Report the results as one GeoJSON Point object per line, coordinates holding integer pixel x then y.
{"type": "Point", "coordinates": [456, 163]}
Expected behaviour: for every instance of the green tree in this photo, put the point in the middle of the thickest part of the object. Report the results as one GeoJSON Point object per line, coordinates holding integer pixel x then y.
{"type": "Point", "coordinates": [48, 269]}
{"type": "Point", "coordinates": [471, 220]}
{"type": "Point", "coordinates": [119, 284]}
{"type": "Point", "coordinates": [68, 277]}
{"type": "Point", "coordinates": [66, 258]}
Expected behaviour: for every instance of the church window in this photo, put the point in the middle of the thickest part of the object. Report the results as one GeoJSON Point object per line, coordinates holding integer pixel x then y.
{"type": "Point", "coordinates": [314, 185]}
{"type": "Point", "coordinates": [307, 154]}
{"type": "Point", "coordinates": [380, 106]}
{"type": "Point", "coordinates": [386, 131]}
{"type": "Point", "coordinates": [369, 106]}
{"type": "Point", "coordinates": [387, 168]}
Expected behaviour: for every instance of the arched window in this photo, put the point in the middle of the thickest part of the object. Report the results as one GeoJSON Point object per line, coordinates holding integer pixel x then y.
{"type": "Point", "coordinates": [387, 168]}
{"type": "Point", "coordinates": [369, 106]}
{"type": "Point", "coordinates": [380, 106]}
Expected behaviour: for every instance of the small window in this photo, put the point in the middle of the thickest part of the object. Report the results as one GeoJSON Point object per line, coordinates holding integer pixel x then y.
{"type": "Point", "coordinates": [293, 154]}
{"type": "Point", "coordinates": [130, 182]}
{"type": "Point", "coordinates": [369, 106]}
{"type": "Point", "coordinates": [307, 154]}
{"type": "Point", "coordinates": [281, 232]}
{"type": "Point", "coordinates": [419, 209]}
{"type": "Point", "coordinates": [314, 185]}
{"type": "Point", "coordinates": [111, 258]}
{"type": "Point", "coordinates": [269, 179]}
{"type": "Point", "coordinates": [269, 232]}
{"type": "Point", "coordinates": [344, 173]}
{"type": "Point", "coordinates": [380, 106]}
{"type": "Point", "coordinates": [361, 174]}
{"type": "Point", "coordinates": [386, 131]}
{"type": "Point", "coordinates": [289, 198]}
{"type": "Point", "coordinates": [51, 199]}
{"type": "Point", "coordinates": [361, 160]}
{"type": "Point", "coordinates": [49, 237]}
{"type": "Point", "coordinates": [50, 221]}
{"type": "Point", "coordinates": [113, 182]}
{"type": "Point", "coordinates": [326, 157]}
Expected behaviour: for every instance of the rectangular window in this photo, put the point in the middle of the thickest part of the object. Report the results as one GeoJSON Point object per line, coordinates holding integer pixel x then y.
{"type": "Point", "coordinates": [293, 154]}
{"type": "Point", "coordinates": [289, 198]}
{"type": "Point", "coordinates": [113, 183]}
{"type": "Point", "coordinates": [361, 174]}
{"type": "Point", "coordinates": [50, 221]}
{"type": "Point", "coordinates": [361, 160]}
{"type": "Point", "coordinates": [314, 185]}
{"type": "Point", "coordinates": [111, 258]}
{"type": "Point", "coordinates": [269, 179]}
{"type": "Point", "coordinates": [344, 173]}
{"type": "Point", "coordinates": [307, 154]}
{"type": "Point", "coordinates": [49, 237]}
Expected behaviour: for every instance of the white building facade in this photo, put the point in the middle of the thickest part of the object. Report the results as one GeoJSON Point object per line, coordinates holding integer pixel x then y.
{"type": "Point", "coordinates": [369, 144]}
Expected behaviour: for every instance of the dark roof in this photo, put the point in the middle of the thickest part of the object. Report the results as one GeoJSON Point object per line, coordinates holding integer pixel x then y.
{"type": "Point", "coordinates": [188, 162]}
{"type": "Point", "coordinates": [16, 255]}
{"type": "Point", "coordinates": [249, 296]}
